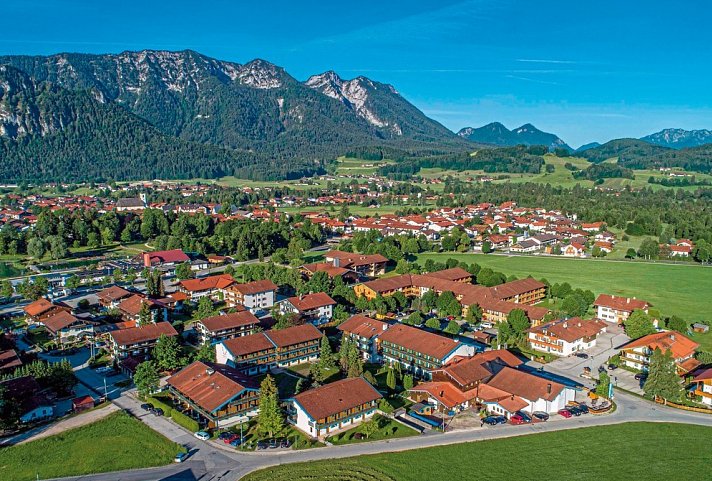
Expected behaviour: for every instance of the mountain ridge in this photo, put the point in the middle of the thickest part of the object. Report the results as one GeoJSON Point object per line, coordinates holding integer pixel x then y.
{"type": "Point", "coordinates": [495, 133]}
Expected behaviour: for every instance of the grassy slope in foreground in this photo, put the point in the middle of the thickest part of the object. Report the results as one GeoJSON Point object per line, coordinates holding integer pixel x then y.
{"type": "Point", "coordinates": [674, 289]}
{"type": "Point", "coordinates": [115, 443]}
{"type": "Point", "coordinates": [631, 451]}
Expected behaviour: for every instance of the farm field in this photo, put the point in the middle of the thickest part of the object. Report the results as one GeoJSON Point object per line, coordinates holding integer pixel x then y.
{"type": "Point", "coordinates": [620, 452]}
{"type": "Point", "coordinates": [674, 289]}
{"type": "Point", "coordinates": [115, 443]}
{"type": "Point", "coordinates": [352, 166]}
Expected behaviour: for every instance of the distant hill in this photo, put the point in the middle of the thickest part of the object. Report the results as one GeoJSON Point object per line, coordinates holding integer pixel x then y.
{"type": "Point", "coordinates": [590, 145]}
{"type": "Point", "coordinates": [256, 109]}
{"type": "Point", "coordinates": [497, 134]}
{"type": "Point", "coordinates": [679, 138]}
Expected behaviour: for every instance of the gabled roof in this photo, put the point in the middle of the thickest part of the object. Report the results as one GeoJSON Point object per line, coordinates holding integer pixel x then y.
{"type": "Point", "coordinates": [149, 332]}
{"type": "Point", "coordinates": [673, 341]}
{"type": "Point", "coordinates": [311, 301]}
{"type": "Point", "coordinates": [518, 287]}
{"type": "Point", "coordinates": [211, 282]}
{"type": "Point", "coordinates": [9, 360]}
{"type": "Point", "coordinates": [38, 307]}
{"type": "Point", "coordinates": [420, 341]}
{"type": "Point", "coordinates": [453, 274]}
{"type": "Point", "coordinates": [244, 345]}
{"type": "Point", "coordinates": [445, 393]}
{"type": "Point", "coordinates": [479, 367]}
{"type": "Point", "coordinates": [255, 287]}
{"type": "Point", "coordinates": [525, 385]}
{"type": "Point", "coordinates": [210, 385]}
{"type": "Point", "coordinates": [113, 293]}
{"type": "Point", "coordinates": [294, 335]}
{"type": "Point", "coordinates": [619, 303]}
{"type": "Point", "coordinates": [333, 398]}
{"type": "Point", "coordinates": [572, 329]}
{"type": "Point", "coordinates": [230, 321]}
{"type": "Point", "coordinates": [160, 257]}
{"type": "Point", "coordinates": [59, 321]}
{"type": "Point", "coordinates": [363, 326]}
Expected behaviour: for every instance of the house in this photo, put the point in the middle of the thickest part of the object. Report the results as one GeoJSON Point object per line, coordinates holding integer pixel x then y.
{"type": "Point", "coordinates": [164, 258]}
{"type": "Point", "coordinates": [679, 250]}
{"type": "Point", "coordinates": [9, 361]}
{"type": "Point", "coordinates": [636, 354]}
{"type": "Point", "coordinates": [703, 385]}
{"type": "Point", "coordinates": [131, 204]}
{"type": "Point", "coordinates": [616, 308]}
{"type": "Point", "coordinates": [42, 308]}
{"type": "Point", "coordinates": [137, 341]}
{"type": "Point", "coordinates": [329, 408]}
{"type": "Point", "coordinates": [574, 249]}
{"type": "Point", "coordinates": [365, 332]}
{"type": "Point", "coordinates": [262, 351]}
{"type": "Point", "coordinates": [83, 403]}
{"type": "Point", "coordinates": [65, 327]}
{"type": "Point", "coordinates": [111, 296]}
{"type": "Point", "coordinates": [308, 270]}
{"type": "Point", "coordinates": [317, 308]}
{"type": "Point", "coordinates": [522, 291]}
{"type": "Point", "coordinates": [255, 296]}
{"type": "Point", "coordinates": [219, 394]}
{"type": "Point", "coordinates": [209, 286]}
{"type": "Point", "coordinates": [418, 351]}
{"type": "Point", "coordinates": [130, 308]}
{"type": "Point", "coordinates": [565, 337]}
{"type": "Point", "coordinates": [371, 265]}
{"type": "Point", "coordinates": [25, 391]}
{"type": "Point", "coordinates": [218, 328]}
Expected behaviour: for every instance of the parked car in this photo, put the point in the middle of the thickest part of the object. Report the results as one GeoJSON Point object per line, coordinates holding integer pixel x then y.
{"type": "Point", "coordinates": [525, 416]}
{"type": "Point", "coordinates": [582, 355]}
{"type": "Point", "coordinates": [583, 408]}
{"type": "Point", "coordinates": [575, 410]}
{"type": "Point", "coordinates": [540, 415]}
{"type": "Point", "coordinates": [103, 369]}
{"type": "Point", "coordinates": [158, 411]}
{"type": "Point", "coordinates": [641, 376]}
{"type": "Point", "coordinates": [284, 443]}
{"type": "Point", "coordinates": [565, 413]}
{"type": "Point", "coordinates": [180, 457]}
{"type": "Point", "coordinates": [491, 420]}
{"type": "Point", "coordinates": [518, 419]}
{"type": "Point", "coordinates": [612, 367]}
{"type": "Point", "coordinates": [236, 441]}
{"type": "Point", "coordinates": [226, 434]}
{"type": "Point", "coordinates": [146, 407]}
{"type": "Point", "coordinates": [202, 435]}
{"type": "Point", "coordinates": [273, 444]}
{"type": "Point", "coordinates": [262, 444]}
{"type": "Point", "coordinates": [231, 438]}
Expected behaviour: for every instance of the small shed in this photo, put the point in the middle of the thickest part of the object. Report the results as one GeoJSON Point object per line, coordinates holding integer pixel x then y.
{"type": "Point", "coordinates": [82, 403]}
{"type": "Point", "coordinates": [701, 328]}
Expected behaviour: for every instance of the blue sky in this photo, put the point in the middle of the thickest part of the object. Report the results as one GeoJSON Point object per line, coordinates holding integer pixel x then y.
{"type": "Point", "coordinates": [587, 71]}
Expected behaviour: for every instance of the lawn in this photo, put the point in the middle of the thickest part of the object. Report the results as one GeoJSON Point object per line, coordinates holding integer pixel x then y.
{"type": "Point", "coordinates": [389, 429]}
{"type": "Point", "coordinates": [115, 443]}
{"type": "Point", "coordinates": [621, 452]}
{"type": "Point", "coordinates": [674, 289]}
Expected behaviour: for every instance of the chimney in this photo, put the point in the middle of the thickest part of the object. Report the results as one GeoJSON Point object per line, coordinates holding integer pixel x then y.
{"type": "Point", "coordinates": [548, 388]}
{"type": "Point", "coordinates": [209, 371]}
{"type": "Point", "coordinates": [627, 301]}
{"type": "Point", "coordinates": [672, 337]}
{"type": "Point", "coordinates": [442, 393]}
{"type": "Point", "coordinates": [565, 325]}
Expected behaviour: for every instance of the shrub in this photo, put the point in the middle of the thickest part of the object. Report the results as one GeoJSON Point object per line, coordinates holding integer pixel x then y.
{"type": "Point", "coordinates": [183, 420]}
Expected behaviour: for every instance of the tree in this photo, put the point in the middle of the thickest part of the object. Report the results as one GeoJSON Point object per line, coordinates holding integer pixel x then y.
{"type": "Point", "coordinates": [205, 308]}
{"type": "Point", "coordinates": [474, 314]}
{"type": "Point", "coordinates": [630, 253]}
{"type": "Point", "coordinates": [205, 353]}
{"type": "Point", "coordinates": [371, 426]}
{"type": "Point", "coordinates": [428, 300]}
{"type": "Point", "coordinates": [486, 247]}
{"type": "Point", "coordinates": [574, 305]}
{"type": "Point", "coordinates": [433, 323]}
{"type": "Point", "coordinates": [663, 380]}
{"type": "Point", "coordinates": [326, 355]}
{"type": "Point", "coordinates": [408, 382]}
{"type": "Point", "coordinates": [73, 282]}
{"type": "Point", "coordinates": [144, 314]}
{"type": "Point", "coordinates": [6, 289]}
{"type": "Point", "coordinates": [452, 328]}
{"type": "Point", "coordinates": [270, 419]}
{"type": "Point", "coordinates": [678, 324]}
{"type": "Point", "coordinates": [36, 248]}
{"type": "Point", "coordinates": [166, 353]}
{"type": "Point", "coordinates": [448, 305]}
{"type": "Point", "coordinates": [146, 378]}
{"type": "Point", "coordinates": [391, 379]}
{"type": "Point", "coordinates": [603, 385]}
{"type": "Point", "coordinates": [518, 322]}
{"type": "Point", "coordinates": [638, 324]}
{"type": "Point", "coordinates": [183, 271]}
{"type": "Point", "coordinates": [649, 249]}
{"type": "Point", "coordinates": [414, 319]}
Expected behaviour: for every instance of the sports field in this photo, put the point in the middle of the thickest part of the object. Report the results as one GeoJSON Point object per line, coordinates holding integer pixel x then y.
{"type": "Point", "coordinates": [682, 289]}
{"type": "Point", "coordinates": [624, 452]}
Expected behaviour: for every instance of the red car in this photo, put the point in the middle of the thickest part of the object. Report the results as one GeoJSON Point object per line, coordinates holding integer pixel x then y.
{"type": "Point", "coordinates": [565, 413]}
{"type": "Point", "coordinates": [230, 439]}
{"type": "Point", "coordinates": [517, 419]}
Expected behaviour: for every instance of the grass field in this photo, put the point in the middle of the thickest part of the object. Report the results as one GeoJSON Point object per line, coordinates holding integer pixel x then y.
{"type": "Point", "coordinates": [390, 429]}
{"type": "Point", "coordinates": [351, 166]}
{"type": "Point", "coordinates": [621, 452]}
{"type": "Point", "coordinates": [674, 289]}
{"type": "Point", "coordinates": [115, 443]}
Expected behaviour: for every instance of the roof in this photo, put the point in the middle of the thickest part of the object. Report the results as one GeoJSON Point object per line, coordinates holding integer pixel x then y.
{"type": "Point", "coordinates": [514, 288]}
{"type": "Point", "coordinates": [149, 332]}
{"type": "Point", "coordinates": [704, 375]}
{"type": "Point", "coordinates": [129, 202]}
{"type": "Point", "coordinates": [9, 360]}
{"type": "Point", "coordinates": [619, 303]}
{"type": "Point", "coordinates": [363, 326]}
{"type": "Point", "coordinates": [453, 274]}
{"type": "Point", "coordinates": [210, 385]}
{"type": "Point", "coordinates": [83, 400]}
{"type": "Point", "coordinates": [420, 341]}
{"type": "Point", "coordinates": [38, 307]}
{"type": "Point", "coordinates": [59, 321]}
{"type": "Point", "coordinates": [160, 257]}
{"type": "Point", "coordinates": [311, 301]}
{"type": "Point", "coordinates": [113, 293]}
{"type": "Point", "coordinates": [673, 341]}
{"type": "Point", "coordinates": [211, 282]}
{"type": "Point", "coordinates": [244, 345]}
{"type": "Point", "coordinates": [333, 398]}
{"type": "Point", "coordinates": [572, 329]}
{"type": "Point", "coordinates": [294, 335]}
{"type": "Point", "coordinates": [229, 321]}
{"type": "Point", "coordinates": [480, 366]}
{"type": "Point", "coordinates": [525, 385]}
{"type": "Point", "coordinates": [255, 287]}
{"type": "Point", "coordinates": [351, 259]}
{"type": "Point", "coordinates": [445, 393]}
{"type": "Point", "coordinates": [330, 269]}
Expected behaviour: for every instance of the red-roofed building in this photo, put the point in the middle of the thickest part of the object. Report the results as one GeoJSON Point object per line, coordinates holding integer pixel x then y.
{"type": "Point", "coordinates": [163, 258]}
{"type": "Point", "coordinates": [138, 341]}
{"type": "Point", "coordinates": [565, 337]}
{"type": "Point", "coordinates": [370, 265]}
{"type": "Point", "coordinates": [636, 354]}
{"type": "Point", "coordinates": [218, 328]}
{"type": "Point", "coordinates": [616, 308]}
{"type": "Point", "coordinates": [365, 332]}
{"type": "Point", "coordinates": [206, 286]}
{"type": "Point", "coordinates": [317, 308]}
{"type": "Point", "coordinates": [703, 385]}
{"type": "Point", "coordinates": [332, 407]}
{"type": "Point", "coordinates": [255, 296]}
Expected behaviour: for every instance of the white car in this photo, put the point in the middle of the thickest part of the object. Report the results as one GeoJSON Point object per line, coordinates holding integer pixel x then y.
{"type": "Point", "coordinates": [202, 435]}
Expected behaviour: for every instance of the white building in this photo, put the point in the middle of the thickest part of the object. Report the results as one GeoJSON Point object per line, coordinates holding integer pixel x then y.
{"type": "Point", "coordinates": [318, 307]}
{"type": "Point", "coordinates": [255, 296]}
{"type": "Point", "coordinates": [566, 336]}
{"type": "Point", "coordinates": [616, 308]}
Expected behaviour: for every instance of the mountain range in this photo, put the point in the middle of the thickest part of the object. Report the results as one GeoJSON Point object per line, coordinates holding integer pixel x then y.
{"type": "Point", "coordinates": [260, 121]}
{"type": "Point", "coordinates": [679, 138]}
{"type": "Point", "coordinates": [497, 134]}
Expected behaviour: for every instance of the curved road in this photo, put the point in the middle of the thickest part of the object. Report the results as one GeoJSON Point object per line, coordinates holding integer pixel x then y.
{"type": "Point", "coordinates": [213, 462]}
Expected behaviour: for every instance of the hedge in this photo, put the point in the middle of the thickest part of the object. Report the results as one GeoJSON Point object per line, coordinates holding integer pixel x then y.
{"type": "Point", "coordinates": [178, 417]}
